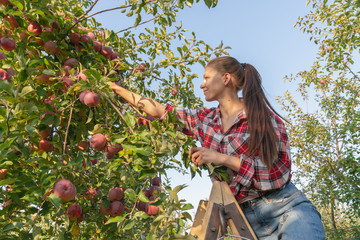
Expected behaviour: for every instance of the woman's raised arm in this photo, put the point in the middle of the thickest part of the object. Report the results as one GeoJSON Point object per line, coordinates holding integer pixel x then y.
{"type": "Point", "coordinates": [145, 104]}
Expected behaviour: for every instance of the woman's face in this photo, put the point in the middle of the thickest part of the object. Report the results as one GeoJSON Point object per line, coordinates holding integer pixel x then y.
{"type": "Point", "coordinates": [213, 84]}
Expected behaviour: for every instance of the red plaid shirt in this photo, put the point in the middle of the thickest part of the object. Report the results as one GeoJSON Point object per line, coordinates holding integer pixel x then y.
{"type": "Point", "coordinates": [253, 178]}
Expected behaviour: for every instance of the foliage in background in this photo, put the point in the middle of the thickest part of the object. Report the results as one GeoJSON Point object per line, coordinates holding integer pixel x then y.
{"type": "Point", "coordinates": [151, 63]}
{"type": "Point", "coordinates": [325, 137]}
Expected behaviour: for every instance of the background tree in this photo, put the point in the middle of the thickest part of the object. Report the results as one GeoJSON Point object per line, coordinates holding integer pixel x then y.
{"type": "Point", "coordinates": [325, 135]}
{"type": "Point", "coordinates": [76, 161]}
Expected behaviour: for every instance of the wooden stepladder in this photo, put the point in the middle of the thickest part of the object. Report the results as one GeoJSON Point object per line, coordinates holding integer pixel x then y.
{"type": "Point", "coordinates": [213, 217]}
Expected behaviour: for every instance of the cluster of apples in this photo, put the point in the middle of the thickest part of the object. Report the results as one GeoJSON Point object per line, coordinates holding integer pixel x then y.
{"type": "Point", "coordinates": [100, 143]}
{"type": "Point", "coordinates": [8, 44]}
{"type": "Point", "coordinates": [66, 191]}
{"type": "Point", "coordinates": [116, 206]}
{"type": "Point", "coordinates": [151, 194]}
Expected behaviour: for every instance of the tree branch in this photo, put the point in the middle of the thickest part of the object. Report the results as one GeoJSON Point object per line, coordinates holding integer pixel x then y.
{"type": "Point", "coordinates": [67, 128]}
{"type": "Point", "coordinates": [136, 25]}
{"type": "Point", "coordinates": [117, 110]}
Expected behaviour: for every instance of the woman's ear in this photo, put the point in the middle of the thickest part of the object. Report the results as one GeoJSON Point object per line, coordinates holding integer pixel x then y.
{"type": "Point", "coordinates": [227, 79]}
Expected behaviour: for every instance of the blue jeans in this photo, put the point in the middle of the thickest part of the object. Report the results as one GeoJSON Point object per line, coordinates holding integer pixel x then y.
{"type": "Point", "coordinates": [285, 214]}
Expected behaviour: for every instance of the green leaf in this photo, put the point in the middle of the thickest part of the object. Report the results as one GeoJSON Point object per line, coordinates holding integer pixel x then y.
{"type": "Point", "coordinates": [141, 214]}
{"type": "Point", "coordinates": [138, 19]}
{"type": "Point", "coordinates": [160, 217]}
{"type": "Point", "coordinates": [49, 72]}
{"type": "Point", "coordinates": [25, 107]}
{"type": "Point", "coordinates": [6, 86]}
{"type": "Point", "coordinates": [187, 207]}
{"type": "Point", "coordinates": [115, 219]}
{"type": "Point", "coordinates": [130, 194]}
{"type": "Point", "coordinates": [13, 225]}
{"type": "Point", "coordinates": [25, 91]}
{"type": "Point", "coordinates": [55, 200]}
{"type": "Point", "coordinates": [17, 4]}
{"type": "Point", "coordinates": [7, 143]}
{"type": "Point", "coordinates": [7, 181]}
{"type": "Point", "coordinates": [129, 225]}
{"type": "Point", "coordinates": [142, 197]}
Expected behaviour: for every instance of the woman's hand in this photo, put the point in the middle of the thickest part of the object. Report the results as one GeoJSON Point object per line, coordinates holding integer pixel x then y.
{"type": "Point", "coordinates": [200, 156]}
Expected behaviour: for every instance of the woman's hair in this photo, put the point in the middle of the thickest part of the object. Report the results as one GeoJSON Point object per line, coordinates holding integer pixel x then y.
{"type": "Point", "coordinates": [263, 139]}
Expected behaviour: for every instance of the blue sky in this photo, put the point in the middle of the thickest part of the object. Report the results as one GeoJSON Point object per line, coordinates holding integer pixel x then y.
{"type": "Point", "coordinates": [260, 32]}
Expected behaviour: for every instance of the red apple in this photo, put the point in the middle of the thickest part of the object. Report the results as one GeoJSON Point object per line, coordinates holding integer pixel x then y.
{"type": "Point", "coordinates": [97, 46]}
{"type": "Point", "coordinates": [116, 194]}
{"type": "Point", "coordinates": [115, 55]}
{"type": "Point", "coordinates": [3, 173]}
{"type": "Point", "coordinates": [44, 78]}
{"type": "Point", "coordinates": [156, 181]}
{"type": "Point", "coordinates": [141, 205]}
{"type": "Point", "coordinates": [146, 192]}
{"type": "Point", "coordinates": [82, 95]}
{"type": "Point", "coordinates": [35, 28]}
{"type": "Point", "coordinates": [4, 75]}
{"type": "Point", "coordinates": [45, 133]}
{"type": "Point", "coordinates": [75, 38]}
{"type": "Point", "coordinates": [98, 142]}
{"type": "Point", "coordinates": [4, 2]}
{"type": "Point", "coordinates": [106, 52]}
{"type": "Point", "coordinates": [154, 190]}
{"type": "Point", "coordinates": [71, 62]}
{"type": "Point", "coordinates": [82, 76]}
{"type": "Point", "coordinates": [82, 145]}
{"type": "Point", "coordinates": [114, 148]}
{"type": "Point", "coordinates": [174, 91]}
{"type": "Point", "coordinates": [65, 190]}
{"type": "Point", "coordinates": [91, 99]}
{"type": "Point", "coordinates": [141, 67]}
{"type": "Point", "coordinates": [151, 209]}
{"type": "Point", "coordinates": [50, 48]}
{"type": "Point", "coordinates": [74, 212]}
{"type": "Point", "coordinates": [85, 39]}
{"type": "Point", "coordinates": [91, 35]}
{"type": "Point", "coordinates": [322, 81]}
{"type": "Point", "coordinates": [104, 211]}
{"type": "Point", "coordinates": [11, 19]}
{"type": "Point", "coordinates": [55, 26]}
{"type": "Point", "coordinates": [116, 208]}
{"type": "Point", "coordinates": [67, 83]}
{"type": "Point", "coordinates": [45, 145]}
{"type": "Point", "coordinates": [8, 43]}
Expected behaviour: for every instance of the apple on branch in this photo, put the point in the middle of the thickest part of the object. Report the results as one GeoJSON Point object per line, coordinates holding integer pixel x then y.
{"type": "Point", "coordinates": [65, 190]}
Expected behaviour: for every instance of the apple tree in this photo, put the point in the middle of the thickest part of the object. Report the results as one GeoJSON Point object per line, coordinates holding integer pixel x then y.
{"type": "Point", "coordinates": [76, 161]}
{"type": "Point", "coordinates": [325, 136]}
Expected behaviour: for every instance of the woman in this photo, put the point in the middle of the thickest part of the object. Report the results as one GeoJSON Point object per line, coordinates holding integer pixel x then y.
{"type": "Point", "coordinates": [248, 137]}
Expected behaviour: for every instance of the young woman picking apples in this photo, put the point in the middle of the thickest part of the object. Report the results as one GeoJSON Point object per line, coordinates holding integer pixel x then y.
{"type": "Point", "coordinates": [248, 137]}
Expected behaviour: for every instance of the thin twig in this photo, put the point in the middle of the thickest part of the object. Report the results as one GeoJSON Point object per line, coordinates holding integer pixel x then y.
{"type": "Point", "coordinates": [137, 25]}
{"type": "Point", "coordinates": [67, 128]}
{"type": "Point", "coordinates": [70, 104]}
{"type": "Point", "coordinates": [117, 110]}
{"type": "Point", "coordinates": [91, 7]}
{"type": "Point", "coordinates": [350, 70]}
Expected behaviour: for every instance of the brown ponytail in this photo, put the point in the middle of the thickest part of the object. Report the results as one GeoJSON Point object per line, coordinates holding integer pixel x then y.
{"type": "Point", "coordinates": [263, 139]}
